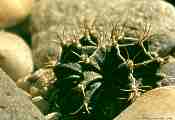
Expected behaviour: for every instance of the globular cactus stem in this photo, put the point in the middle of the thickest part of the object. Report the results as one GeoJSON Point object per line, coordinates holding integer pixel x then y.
{"type": "Point", "coordinates": [97, 78]}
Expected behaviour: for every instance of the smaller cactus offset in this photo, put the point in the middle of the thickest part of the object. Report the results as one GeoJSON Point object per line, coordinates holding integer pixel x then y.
{"type": "Point", "coordinates": [98, 77]}
{"type": "Point", "coordinates": [38, 83]}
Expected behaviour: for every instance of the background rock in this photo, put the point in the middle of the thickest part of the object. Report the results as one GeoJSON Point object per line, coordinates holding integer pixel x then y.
{"type": "Point", "coordinates": [13, 12]}
{"type": "Point", "coordinates": [169, 70]}
{"type": "Point", "coordinates": [156, 104]}
{"type": "Point", "coordinates": [50, 18]}
{"type": "Point", "coordinates": [15, 56]}
{"type": "Point", "coordinates": [14, 104]}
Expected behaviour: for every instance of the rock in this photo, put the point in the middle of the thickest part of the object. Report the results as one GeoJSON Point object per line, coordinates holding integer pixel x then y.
{"type": "Point", "coordinates": [13, 12]}
{"type": "Point", "coordinates": [50, 18]}
{"type": "Point", "coordinates": [14, 104]}
{"type": "Point", "coordinates": [15, 56]}
{"type": "Point", "coordinates": [156, 104]}
{"type": "Point", "coordinates": [169, 70]}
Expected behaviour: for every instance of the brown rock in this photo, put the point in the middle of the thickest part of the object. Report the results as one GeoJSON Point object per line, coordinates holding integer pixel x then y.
{"type": "Point", "coordinates": [156, 104]}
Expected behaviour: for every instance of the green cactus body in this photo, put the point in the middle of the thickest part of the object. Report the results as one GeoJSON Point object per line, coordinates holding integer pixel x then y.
{"type": "Point", "coordinates": [96, 80]}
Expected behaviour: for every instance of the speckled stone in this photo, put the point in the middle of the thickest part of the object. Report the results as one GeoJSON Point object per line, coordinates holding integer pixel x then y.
{"type": "Point", "coordinates": [14, 104]}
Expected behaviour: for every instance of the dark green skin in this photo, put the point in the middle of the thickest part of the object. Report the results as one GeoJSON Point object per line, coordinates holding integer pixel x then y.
{"type": "Point", "coordinates": [98, 82]}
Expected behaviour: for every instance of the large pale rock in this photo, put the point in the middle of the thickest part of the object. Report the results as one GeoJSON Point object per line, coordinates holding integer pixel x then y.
{"type": "Point", "coordinates": [157, 104]}
{"type": "Point", "coordinates": [14, 104]}
{"type": "Point", "coordinates": [15, 56]}
{"type": "Point", "coordinates": [51, 17]}
{"type": "Point", "coordinates": [14, 11]}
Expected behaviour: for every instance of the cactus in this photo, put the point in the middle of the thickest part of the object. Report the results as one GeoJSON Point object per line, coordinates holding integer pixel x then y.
{"type": "Point", "coordinates": [98, 77]}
